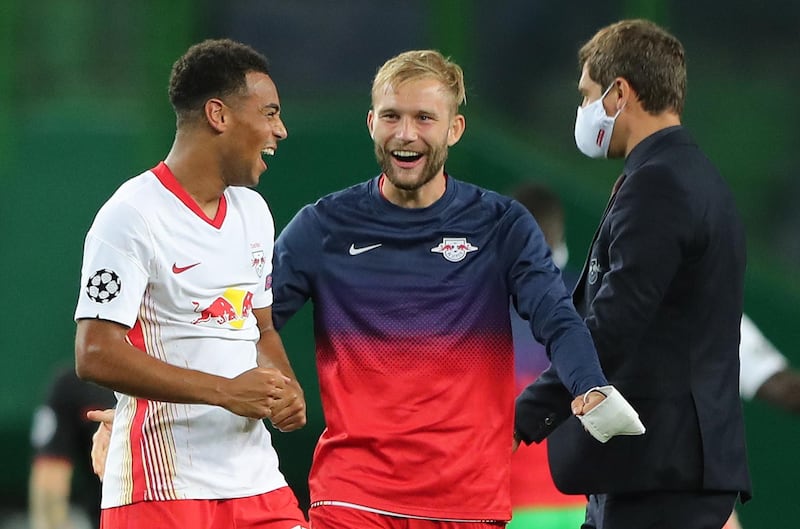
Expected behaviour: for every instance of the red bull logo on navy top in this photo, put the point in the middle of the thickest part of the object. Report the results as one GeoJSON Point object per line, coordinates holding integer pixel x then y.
{"type": "Point", "coordinates": [454, 249]}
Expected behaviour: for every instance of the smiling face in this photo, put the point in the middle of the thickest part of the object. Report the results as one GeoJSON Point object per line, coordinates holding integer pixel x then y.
{"type": "Point", "coordinates": [412, 126]}
{"type": "Point", "coordinates": [253, 130]}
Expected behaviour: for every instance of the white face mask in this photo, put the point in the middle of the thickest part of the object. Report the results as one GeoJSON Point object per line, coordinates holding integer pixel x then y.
{"type": "Point", "coordinates": [560, 255]}
{"type": "Point", "coordinates": [593, 128]}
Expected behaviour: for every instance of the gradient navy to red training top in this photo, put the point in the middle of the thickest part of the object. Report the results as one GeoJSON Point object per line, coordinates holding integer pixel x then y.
{"type": "Point", "coordinates": [413, 343]}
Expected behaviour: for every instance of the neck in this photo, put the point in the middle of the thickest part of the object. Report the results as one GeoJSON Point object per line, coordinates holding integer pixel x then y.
{"type": "Point", "coordinates": [421, 197]}
{"type": "Point", "coordinates": [650, 124]}
{"type": "Point", "coordinates": [196, 170]}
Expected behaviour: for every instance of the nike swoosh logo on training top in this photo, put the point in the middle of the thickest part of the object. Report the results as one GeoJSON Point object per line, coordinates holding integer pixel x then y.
{"type": "Point", "coordinates": [356, 251]}
{"type": "Point", "coordinates": [181, 269]}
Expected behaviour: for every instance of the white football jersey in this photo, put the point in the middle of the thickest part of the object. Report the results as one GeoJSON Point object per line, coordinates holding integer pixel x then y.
{"type": "Point", "coordinates": [187, 286]}
{"type": "Point", "coordinates": [758, 359]}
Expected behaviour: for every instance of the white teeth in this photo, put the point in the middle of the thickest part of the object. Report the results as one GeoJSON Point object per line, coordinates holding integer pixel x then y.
{"type": "Point", "coordinates": [405, 153]}
{"type": "Point", "coordinates": [269, 151]}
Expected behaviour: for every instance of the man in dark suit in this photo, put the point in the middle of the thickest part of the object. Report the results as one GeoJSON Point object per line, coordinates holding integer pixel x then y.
{"type": "Point", "coordinates": [661, 293]}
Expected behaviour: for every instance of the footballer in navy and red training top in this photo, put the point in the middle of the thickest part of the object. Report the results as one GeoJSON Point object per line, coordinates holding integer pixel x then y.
{"type": "Point", "coordinates": [414, 347]}
{"type": "Point", "coordinates": [410, 279]}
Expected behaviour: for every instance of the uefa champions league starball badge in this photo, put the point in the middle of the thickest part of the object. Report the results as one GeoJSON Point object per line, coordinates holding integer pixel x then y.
{"type": "Point", "coordinates": [103, 286]}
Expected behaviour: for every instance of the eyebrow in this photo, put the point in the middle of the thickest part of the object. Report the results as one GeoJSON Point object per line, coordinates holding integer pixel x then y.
{"type": "Point", "coordinates": [271, 106]}
{"type": "Point", "coordinates": [420, 112]}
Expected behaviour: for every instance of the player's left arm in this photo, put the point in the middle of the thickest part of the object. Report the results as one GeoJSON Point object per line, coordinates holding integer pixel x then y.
{"type": "Point", "coordinates": [289, 409]}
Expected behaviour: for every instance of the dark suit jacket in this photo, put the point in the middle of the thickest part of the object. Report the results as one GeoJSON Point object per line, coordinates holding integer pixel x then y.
{"type": "Point", "coordinates": [661, 293]}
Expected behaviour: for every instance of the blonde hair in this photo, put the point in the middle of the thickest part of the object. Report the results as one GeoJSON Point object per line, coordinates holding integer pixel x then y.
{"type": "Point", "coordinates": [422, 64]}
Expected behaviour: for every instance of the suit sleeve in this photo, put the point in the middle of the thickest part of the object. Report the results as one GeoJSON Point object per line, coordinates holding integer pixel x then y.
{"type": "Point", "coordinates": [297, 249]}
{"type": "Point", "coordinates": [650, 229]}
{"type": "Point", "coordinates": [541, 407]}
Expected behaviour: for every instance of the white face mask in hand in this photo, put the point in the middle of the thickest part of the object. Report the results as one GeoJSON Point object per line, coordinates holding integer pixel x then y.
{"type": "Point", "coordinates": [614, 416]}
{"type": "Point", "coordinates": [593, 128]}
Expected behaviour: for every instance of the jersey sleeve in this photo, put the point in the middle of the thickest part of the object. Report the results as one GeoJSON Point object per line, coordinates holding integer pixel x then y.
{"type": "Point", "coordinates": [539, 295]}
{"type": "Point", "coordinates": [758, 359]}
{"type": "Point", "coordinates": [114, 273]}
{"type": "Point", "coordinates": [297, 249]}
{"type": "Point", "coordinates": [263, 297]}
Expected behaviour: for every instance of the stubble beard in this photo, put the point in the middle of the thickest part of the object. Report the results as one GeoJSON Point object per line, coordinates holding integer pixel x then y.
{"type": "Point", "coordinates": [434, 161]}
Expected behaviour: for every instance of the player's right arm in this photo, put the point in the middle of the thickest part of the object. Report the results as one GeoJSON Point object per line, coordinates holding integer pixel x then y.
{"type": "Point", "coordinates": [103, 356]}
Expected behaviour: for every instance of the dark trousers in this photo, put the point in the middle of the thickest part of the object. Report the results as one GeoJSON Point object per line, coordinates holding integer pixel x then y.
{"type": "Point", "coordinates": [659, 510]}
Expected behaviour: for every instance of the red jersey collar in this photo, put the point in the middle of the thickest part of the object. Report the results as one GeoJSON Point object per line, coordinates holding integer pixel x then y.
{"type": "Point", "coordinates": [168, 180]}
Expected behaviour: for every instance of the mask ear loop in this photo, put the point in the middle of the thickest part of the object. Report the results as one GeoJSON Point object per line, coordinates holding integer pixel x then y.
{"type": "Point", "coordinates": [606, 93]}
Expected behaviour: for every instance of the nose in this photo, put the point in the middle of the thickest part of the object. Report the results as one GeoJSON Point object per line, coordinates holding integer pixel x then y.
{"type": "Point", "coordinates": [406, 130]}
{"type": "Point", "coordinates": [280, 130]}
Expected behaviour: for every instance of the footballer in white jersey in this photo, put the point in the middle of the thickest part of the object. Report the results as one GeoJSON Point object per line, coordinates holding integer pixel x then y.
{"type": "Point", "coordinates": [186, 285]}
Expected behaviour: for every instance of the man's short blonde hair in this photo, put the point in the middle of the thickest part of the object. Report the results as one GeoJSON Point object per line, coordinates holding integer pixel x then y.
{"type": "Point", "coordinates": [421, 64]}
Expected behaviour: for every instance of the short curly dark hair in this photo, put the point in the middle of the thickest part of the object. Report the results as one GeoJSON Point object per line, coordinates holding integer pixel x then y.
{"type": "Point", "coordinates": [212, 68]}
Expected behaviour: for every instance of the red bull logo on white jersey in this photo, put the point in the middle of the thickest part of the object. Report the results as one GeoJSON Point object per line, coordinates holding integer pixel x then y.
{"type": "Point", "coordinates": [454, 249]}
{"type": "Point", "coordinates": [232, 308]}
{"type": "Point", "coordinates": [258, 261]}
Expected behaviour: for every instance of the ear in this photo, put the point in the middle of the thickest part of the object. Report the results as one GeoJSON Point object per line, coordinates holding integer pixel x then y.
{"type": "Point", "coordinates": [370, 120]}
{"type": "Point", "coordinates": [457, 127]}
{"type": "Point", "coordinates": [216, 114]}
{"type": "Point", "coordinates": [625, 93]}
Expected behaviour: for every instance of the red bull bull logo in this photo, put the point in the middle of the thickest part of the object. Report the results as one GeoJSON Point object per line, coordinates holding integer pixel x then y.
{"type": "Point", "coordinates": [232, 308]}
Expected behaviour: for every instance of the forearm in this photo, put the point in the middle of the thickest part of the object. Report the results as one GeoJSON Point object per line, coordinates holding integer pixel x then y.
{"type": "Point", "coordinates": [48, 510]}
{"type": "Point", "coordinates": [271, 352]}
{"type": "Point", "coordinates": [104, 357]}
{"type": "Point", "coordinates": [48, 494]}
{"type": "Point", "coordinates": [289, 408]}
{"type": "Point", "coordinates": [782, 390]}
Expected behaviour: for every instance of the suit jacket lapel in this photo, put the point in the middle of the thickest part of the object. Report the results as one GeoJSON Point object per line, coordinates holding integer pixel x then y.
{"type": "Point", "coordinates": [577, 292]}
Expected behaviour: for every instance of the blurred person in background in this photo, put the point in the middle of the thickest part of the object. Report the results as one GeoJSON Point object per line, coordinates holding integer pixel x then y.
{"type": "Point", "coordinates": [765, 375]}
{"type": "Point", "coordinates": [61, 436]}
{"type": "Point", "coordinates": [535, 500]}
{"type": "Point", "coordinates": [661, 293]}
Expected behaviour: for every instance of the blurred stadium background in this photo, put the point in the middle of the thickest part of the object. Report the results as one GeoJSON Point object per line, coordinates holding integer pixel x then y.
{"type": "Point", "coordinates": [84, 107]}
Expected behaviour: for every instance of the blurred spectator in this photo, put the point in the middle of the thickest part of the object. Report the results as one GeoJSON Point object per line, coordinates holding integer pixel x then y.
{"type": "Point", "coordinates": [764, 374]}
{"type": "Point", "coordinates": [535, 500]}
{"type": "Point", "coordinates": [61, 436]}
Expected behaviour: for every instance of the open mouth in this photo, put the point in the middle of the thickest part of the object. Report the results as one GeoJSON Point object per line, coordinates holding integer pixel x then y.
{"type": "Point", "coordinates": [269, 151]}
{"type": "Point", "coordinates": [406, 156]}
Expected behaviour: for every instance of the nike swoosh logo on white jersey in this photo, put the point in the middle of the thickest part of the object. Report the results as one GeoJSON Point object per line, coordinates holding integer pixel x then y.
{"type": "Point", "coordinates": [181, 269]}
{"type": "Point", "coordinates": [355, 251]}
